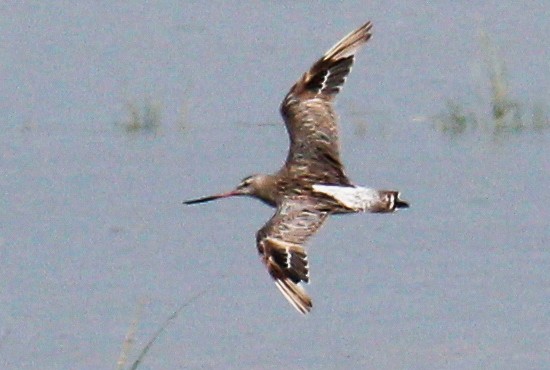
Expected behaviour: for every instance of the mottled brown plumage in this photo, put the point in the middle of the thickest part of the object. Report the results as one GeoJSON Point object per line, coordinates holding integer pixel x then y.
{"type": "Point", "coordinates": [312, 183]}
{"type": "Point", "coordinates": [309, 114]}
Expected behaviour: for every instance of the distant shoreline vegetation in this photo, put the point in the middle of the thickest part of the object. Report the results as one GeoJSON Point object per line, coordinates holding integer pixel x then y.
{"type": "Point", "coordinates": [145, 117]}
{"type": "Point", "coordinates": [505, 115]}
{"type": "Point", "coordinates": [142, 117]}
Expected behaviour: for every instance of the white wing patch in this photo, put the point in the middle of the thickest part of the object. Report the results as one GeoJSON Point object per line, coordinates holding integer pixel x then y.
{"type": "Point", "coordinates": [357, 198]}
{"type": "Point", "coordinates": [325, 79]}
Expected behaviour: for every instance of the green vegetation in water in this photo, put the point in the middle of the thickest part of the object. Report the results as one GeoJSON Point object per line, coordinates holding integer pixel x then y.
{"type": "Point", "coordinates": [142, 117]}
{"type": "Point", "coordinates": [506, 113]}
{"type": "Point", "coordinates": [455, 120]}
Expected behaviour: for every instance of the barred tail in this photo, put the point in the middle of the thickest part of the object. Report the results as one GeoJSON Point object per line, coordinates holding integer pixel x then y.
{"type": "Point", "coordinates": [390, 202]}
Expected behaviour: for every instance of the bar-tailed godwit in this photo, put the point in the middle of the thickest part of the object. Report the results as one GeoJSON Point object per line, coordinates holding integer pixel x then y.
{"type": "Point", "coordinates": [312, 184]}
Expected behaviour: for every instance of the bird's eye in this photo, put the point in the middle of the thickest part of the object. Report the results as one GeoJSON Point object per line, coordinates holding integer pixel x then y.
{"type": "Point", "coordinates": [245, 182]}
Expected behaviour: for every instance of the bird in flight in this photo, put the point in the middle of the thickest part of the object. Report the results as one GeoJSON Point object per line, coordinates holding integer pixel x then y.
{"type": "Point", "coordinates": [312, 183]}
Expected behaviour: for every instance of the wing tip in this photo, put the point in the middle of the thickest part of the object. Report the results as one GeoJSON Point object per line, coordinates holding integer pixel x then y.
{"type": "Point", "coordinates": [327, 76]}
{"type": "Point", "coordinates": [295, 295]}
{"type": "Point", "coordinates": [349, 44]}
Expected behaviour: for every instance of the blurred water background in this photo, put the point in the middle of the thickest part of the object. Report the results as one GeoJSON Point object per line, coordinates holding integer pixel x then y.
{"type": "Point", "coordinates": [113, 113]}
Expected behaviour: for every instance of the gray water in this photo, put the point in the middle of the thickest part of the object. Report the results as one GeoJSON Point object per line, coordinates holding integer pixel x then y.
{"type": "Point", "coordinates": [91, 222]}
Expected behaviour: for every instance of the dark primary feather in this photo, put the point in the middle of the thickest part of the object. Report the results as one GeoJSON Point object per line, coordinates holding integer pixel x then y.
{"type": "Point", "coordinates": [330, 78]}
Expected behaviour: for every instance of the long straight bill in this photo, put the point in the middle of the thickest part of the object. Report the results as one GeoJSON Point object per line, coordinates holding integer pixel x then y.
{"type": "Point", "coordinates": [211, 197]}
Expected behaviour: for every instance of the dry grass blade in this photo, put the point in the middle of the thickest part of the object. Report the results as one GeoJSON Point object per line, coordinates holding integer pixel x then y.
{"type": "Point", "coordinates": [129, 339]}
{"type": "Point", "coordinates": [163, 327]}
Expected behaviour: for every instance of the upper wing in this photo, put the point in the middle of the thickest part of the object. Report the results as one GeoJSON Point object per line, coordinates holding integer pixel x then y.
{"type": "Point", "coordinates": [280, 243]}
{"type": "Point", "coordinates": [308, 110]}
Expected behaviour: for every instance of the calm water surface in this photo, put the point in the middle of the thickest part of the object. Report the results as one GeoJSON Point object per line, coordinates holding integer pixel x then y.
{"type": "Point", "coordinates": [91, 220]}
